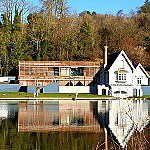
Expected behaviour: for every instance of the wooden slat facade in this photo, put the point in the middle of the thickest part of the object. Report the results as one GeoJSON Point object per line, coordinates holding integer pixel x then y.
{"type": "Point", "coordinates": [32, 73]}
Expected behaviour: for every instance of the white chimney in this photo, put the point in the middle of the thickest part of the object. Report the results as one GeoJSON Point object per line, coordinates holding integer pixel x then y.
{"type": "Point", "coordinates": [105, 55]}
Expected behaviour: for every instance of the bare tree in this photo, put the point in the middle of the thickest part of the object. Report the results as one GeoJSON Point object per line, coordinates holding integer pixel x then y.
{"type": "Point", "coordinates": [8, 8]}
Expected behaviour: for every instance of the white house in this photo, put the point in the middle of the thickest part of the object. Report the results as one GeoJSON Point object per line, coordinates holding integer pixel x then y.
{"type": "Point", "coordinates": [120, 78]}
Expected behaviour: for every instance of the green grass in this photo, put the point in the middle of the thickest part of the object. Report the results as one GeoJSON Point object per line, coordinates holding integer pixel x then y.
{"type": "Point", "coordinates": [91, 96]}
{"type": "Point", "coordinates": [42, 95]}
{"type": "Point", "coordinates": [15, 95]}
{"type": "Point", "coordinates": [146, 96]}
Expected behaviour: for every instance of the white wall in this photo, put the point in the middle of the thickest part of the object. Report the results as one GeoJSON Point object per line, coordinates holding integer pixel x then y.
{"type": "Point", "coordinates": [128, 89]}
{"type": "Point", "coordinates": [118, 65]}
{"type": "Point", "coordinates": [74, 89]}
{"type": "Point", "coordinates": [7, 79]}
{"type": "Point", "coordinates": [139, 73]}
{"type": "Point", "coordinates": [100, 88]}
{"type": "Point", "coordinates": [3, 79]}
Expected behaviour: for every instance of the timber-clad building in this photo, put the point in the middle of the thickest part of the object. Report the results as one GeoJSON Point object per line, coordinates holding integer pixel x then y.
{"type": "Point", "coordinates": [42, 73]}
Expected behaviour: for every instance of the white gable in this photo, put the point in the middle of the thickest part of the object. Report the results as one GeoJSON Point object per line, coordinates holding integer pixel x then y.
{"type": "Point", "coordinates": [122, 62]}
{"type": "Point", "coordinates": [140, 74]}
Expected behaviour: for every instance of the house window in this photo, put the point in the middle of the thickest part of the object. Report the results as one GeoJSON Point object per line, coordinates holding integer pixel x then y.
{"type": "Point", "coordinates": [56, 71]}
{"type": "Point", "coordinates": [139, 80]}
{"type": "Point", "coordinates": [64, 71]}
{"type": "Point", "coordinates": [122, 63]}
{"type": "Point", "coordinates": [79, 71]}
{"type": "Point", "coordinates": [121, 77]}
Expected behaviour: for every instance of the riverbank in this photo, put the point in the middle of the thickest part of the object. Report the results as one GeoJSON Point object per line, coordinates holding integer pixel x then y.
{"type": "Point", "coordinates": [60, 96]}
{"type": "Point", "coordinates": [50, 96]}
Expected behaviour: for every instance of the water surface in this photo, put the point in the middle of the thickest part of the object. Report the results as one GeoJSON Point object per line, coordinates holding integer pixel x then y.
{"type": "Point", "coordinates": [74, 124]}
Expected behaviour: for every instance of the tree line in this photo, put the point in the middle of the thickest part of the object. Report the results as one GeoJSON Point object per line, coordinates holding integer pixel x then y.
{"type": "Point", "coordinates": [53, 32]}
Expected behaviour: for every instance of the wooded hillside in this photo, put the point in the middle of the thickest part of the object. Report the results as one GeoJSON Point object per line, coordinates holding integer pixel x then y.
{"type": "Point", "coordinates": [51, 32]}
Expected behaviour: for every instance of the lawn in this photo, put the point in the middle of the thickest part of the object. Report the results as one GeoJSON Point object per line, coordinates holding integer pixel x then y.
{"type": "Point", "coordinates": [47, 95]}
{"type": "Point", "coordinates": [15, 95]}
{"type": "Point", "coordinates": [146, 96]}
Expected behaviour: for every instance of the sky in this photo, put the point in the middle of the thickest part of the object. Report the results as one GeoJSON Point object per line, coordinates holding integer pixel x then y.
{"type": "Point", "coordinates": [98, 6]}
{"type": "Point", "coordinates": [103, 6]}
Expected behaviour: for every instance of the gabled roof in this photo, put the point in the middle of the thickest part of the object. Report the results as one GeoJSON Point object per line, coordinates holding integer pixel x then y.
{"type": "Point", "coordinates": [111, 58]}
{"type": "Point", "coordinates": [144, 71]}
{"type": "Point", "coordinates": [135, 65]}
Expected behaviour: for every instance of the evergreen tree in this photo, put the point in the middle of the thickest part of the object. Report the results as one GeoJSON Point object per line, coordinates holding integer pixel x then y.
{"type": "Point", "coordinates": [85, 42]}
{"type": "Point", "coordinates": [5, 45]}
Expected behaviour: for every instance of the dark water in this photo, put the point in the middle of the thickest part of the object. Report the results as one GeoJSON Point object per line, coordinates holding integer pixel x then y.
{"type": "Point", "coordinates": [74, 125]}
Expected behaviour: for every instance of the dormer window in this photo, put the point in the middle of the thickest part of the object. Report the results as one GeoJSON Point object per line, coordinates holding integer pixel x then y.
{"type": "Point", "coordinates": [121, 75]}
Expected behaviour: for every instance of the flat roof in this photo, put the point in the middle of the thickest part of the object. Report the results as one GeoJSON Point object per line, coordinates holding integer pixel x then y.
{"type": "Point", "coordinates": [57, 63]}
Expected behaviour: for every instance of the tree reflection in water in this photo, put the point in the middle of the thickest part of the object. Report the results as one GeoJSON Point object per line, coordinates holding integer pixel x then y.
{"type": "Point", "coordinates": [75, 125]}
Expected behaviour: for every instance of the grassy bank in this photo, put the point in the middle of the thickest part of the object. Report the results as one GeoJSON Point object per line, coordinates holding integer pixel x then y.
{"type": "Point", "coordinates": [146, 96]}
{"type": "Point", "coordinates": [47, 95]}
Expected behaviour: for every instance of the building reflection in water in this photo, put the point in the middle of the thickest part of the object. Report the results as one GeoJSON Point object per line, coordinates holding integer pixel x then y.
{"type": "Point", "coordinates": [57, 116]}
{"type": "Point", "coordinates": [7, 110]}
{"type": "Point", "coordinates": [120, 117]}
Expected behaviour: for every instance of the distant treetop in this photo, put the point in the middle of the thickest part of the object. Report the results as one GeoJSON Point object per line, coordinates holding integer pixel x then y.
{"type": "Point", "coordinates": [145, 8]}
